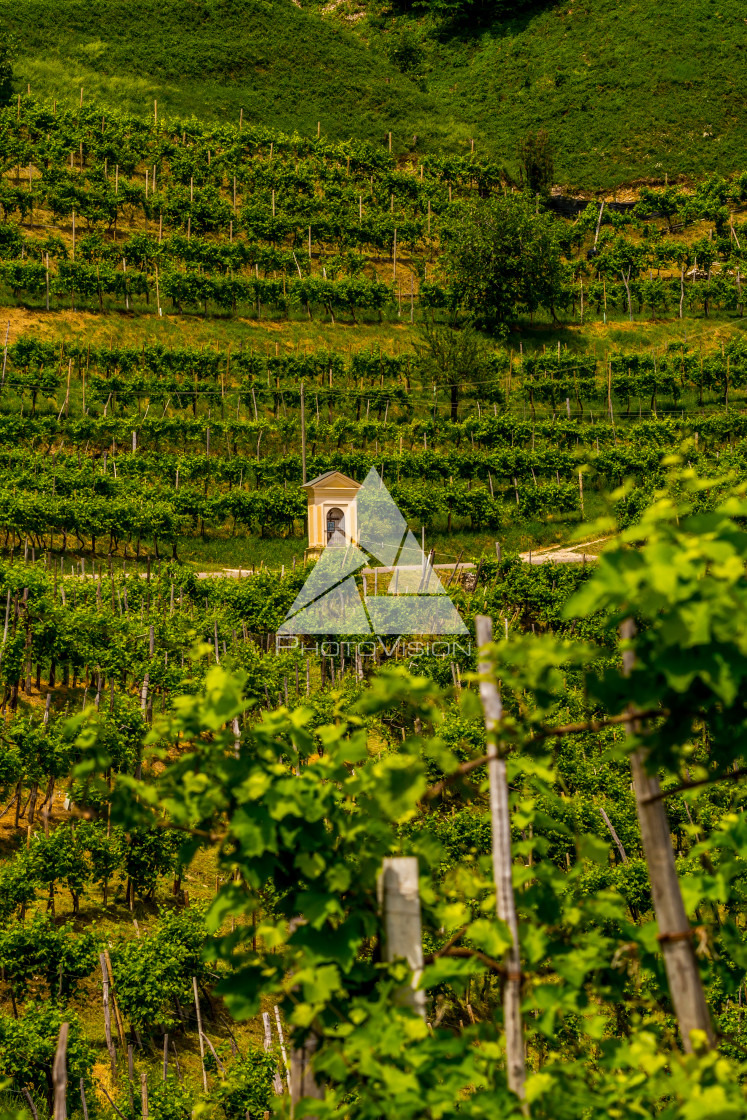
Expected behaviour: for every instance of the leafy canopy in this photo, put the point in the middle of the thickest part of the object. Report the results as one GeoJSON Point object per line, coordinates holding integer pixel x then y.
{"type": "Point", "coordinates": [504, 258]}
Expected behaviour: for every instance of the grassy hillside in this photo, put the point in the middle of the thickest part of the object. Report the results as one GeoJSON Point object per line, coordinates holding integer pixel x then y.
{"type": "Point", "coordinates": [285, 67]}
{"type": "Point", "coordinates": [627, 88]}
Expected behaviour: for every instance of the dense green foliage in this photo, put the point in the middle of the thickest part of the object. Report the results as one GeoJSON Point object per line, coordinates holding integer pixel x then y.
{"type": "Point", "coordinates": [6, 70]}
{"type": "Point", "coordinates": [317, 827]}
{"type": "Point", "coordinates": [302, 803]}
{"type": "Point", "coordinates": [625, 91]}
{"type": "Point", "coordinates": [503, 257]}
{"type": "Point", "coordinates": [195, 810]}
{"type": "Point", "coordinates": [243, 221]}
{"type": "Point", "coordinates": [285, 68]}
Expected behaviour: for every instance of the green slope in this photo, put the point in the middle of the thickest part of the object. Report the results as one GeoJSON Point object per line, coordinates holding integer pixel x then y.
{"type": "Point", "coordinates": [285, 67]}
{"type": "Point", "coordinates": [628, 89]}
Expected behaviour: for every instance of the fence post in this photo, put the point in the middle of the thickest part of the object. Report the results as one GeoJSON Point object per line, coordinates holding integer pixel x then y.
{"type": "Point", "coordinates": [300, 1077]}
{"type": "Point", "coordinates": [144, 1095]}
{"type": "Point", "coordinates": [59, 1075]}
{"type": "Point", "coordinates": [283, 1052]}
{"type": "Point", "coordinates": [30, 1102]}
{"type": "Point", "coordinates": [83, 1101]}
{"type": "Point", "coordinates": [302, 1083]}
{"type": "Point", "coordinates": [199, 1028]}
{"type": "Point", "coordinates": [117, 1015]}
{"type": "Point", "coordinates": [107, 1015]}
{"type": "Point", "coordinates": [399, 900]}
{"type": "Point", "coordinates": [500, 822]}
{"type": "Point", "coordinates": [277, 1081]}
{"type": "Point", "coordinates": [675, 933]}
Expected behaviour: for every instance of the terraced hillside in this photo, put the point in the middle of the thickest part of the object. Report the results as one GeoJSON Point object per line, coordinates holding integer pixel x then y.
{"type": "Point", "coordinates": [626, 90]}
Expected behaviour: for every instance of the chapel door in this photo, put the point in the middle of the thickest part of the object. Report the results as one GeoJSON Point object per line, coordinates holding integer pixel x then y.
{"type": "Point", "coordinates": [336, 528]}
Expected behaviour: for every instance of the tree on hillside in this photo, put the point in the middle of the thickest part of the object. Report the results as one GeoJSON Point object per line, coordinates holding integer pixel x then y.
{"type": "Point", "coordinates": [537, 160]}
{"type": "Point", "coordinates": [6, 70]}
{"type": "Point", "coordinates": [504, 258]}
{"type": "Point", "coordinates": [624, 258]}
{"type": "Point", "coordinates": [451, 358]}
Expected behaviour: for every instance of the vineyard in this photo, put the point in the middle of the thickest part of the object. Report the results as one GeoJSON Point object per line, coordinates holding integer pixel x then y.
{"type": "Point", "coordinates": [103, 211]}
{"type": "Point", "coordinates": [244, 878]}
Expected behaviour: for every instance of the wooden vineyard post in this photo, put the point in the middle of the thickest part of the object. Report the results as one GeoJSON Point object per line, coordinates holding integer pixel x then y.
{"type": "Point", "coordinates": [675, 934]}
{"type": "Point", "coordinates": [176, 1061]}
{"type": "Point", "coordinates": [5, 353]}
{"type": "Point", "coordinates": [303, 434]}
{"type": "Point", "coordinates": [279, 1026]}
{"type": "Point", "coordinates": [500, 822]}
{"type": "Point", "coordinates": [117, 1016]}
{"type": "Point", "coordinates": [613, 834]}
{"type": "Point", "coordinates": [581, 492]}
{"type": "Point", "coordinates": [158, 296]}
{"type": "Point", "coordinates": [300, 1076]}
{"type": "Point", "coordinates": [144, 1095]}
{"type": "Point", "coordinates": [59, 1075]}
{"type": "Point", "coordinates": [277, 1082]}
{"type": "Point", "coordinates": [302, 1083]}
{"type": "Point", "coordinates": [399, 901]}
{"type": "Point", "coordinates": [30, 1103]}
{"type": "Point", "coordinates": [199, 1029]}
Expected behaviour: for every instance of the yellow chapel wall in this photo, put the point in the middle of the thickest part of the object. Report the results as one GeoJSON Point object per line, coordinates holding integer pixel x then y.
{"type": "Point", "coordinates": [325, 498]}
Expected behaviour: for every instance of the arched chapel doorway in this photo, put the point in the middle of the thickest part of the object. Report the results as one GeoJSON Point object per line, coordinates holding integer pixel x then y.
{"type": "Point", "coordinates": [336, 528]}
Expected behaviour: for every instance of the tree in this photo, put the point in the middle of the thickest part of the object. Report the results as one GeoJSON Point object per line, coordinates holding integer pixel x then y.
{"type": "Point", "coordinates": [623, 258]}
{"type": "Point", "coordinates": [6, 71]}
{"type": "Point", "coordinates": [406, 51]}
{"type": "Point", "coordinates": [536, 157]}
{"type": "Point", "coordinates": [504, 258]}
{"type": "Point", "coordinates": [451, 357]}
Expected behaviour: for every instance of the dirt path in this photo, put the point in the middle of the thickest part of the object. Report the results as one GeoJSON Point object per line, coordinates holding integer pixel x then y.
{"type": "Point", "coordinates": [563, 554]}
